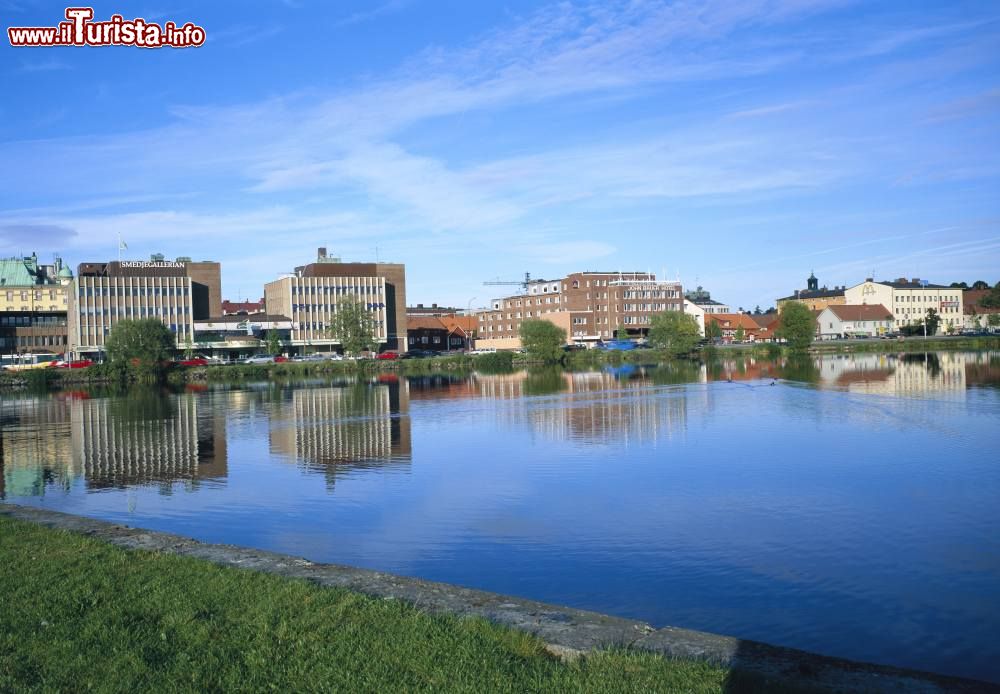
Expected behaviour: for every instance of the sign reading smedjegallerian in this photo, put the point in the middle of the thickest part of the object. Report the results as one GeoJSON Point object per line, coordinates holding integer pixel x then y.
{"type": "Point", "coordinates": [144, 264]}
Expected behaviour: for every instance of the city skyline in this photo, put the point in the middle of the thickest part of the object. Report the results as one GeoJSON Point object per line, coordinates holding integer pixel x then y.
{"type": "Point", "coordinates": [738, 146]}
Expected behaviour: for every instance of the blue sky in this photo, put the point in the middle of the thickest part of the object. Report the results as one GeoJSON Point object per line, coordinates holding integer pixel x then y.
{"type": "Point", "coordinates": [737, 144]}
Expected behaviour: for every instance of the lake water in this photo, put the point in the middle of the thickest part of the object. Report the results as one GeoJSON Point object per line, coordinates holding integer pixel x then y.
{"type": "Point", "coordinates": [851, 508]}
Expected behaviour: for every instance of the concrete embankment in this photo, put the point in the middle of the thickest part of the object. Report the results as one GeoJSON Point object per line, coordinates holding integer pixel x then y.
{"type": "Point", "coordinates": [568, 632]}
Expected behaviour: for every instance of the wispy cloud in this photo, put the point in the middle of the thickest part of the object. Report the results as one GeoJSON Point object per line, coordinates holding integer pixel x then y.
{"type": "Point", "coordinates": [386, 8]}
{"type": "Point", "coordinates": [34, 235]}
{"type": "Point", "coordinates": [47, 65]}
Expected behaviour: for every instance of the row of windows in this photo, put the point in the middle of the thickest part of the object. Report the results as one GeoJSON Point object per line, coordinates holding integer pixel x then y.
{"type": "Point", "coordinates": [26, 321]}
{"type": "Point", "coordinates": [129, 312]}
{"type": "Point", "coordinates": [309, 325]}
{"type": "Point", "coordinates": [909, 298]}
{"type": "Point", "coordinates": [647, 294]}
{"type": "Point", "coordinates": [133, 291]}
{"type": "Point", "coordinates": [516, 303]}
{"type": "Point", "coordinates": [24, 295]}
{"type": "Point", "coordinates": [648, 307]}
{"type": "Point", "coordinates": [346, 289]}
{"type": "Point", "coordinates": [13, 343]}
{"type": "Point", "coordinates": [35, 308]}
{"type": "Point", "coordinates": [545, 289]}
{"type": "Point", "coordinates": [371, 306]}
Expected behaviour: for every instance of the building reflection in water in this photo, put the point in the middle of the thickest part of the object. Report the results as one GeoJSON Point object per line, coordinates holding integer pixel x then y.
{"type": "Point", "coordinates": [943, 374]}
{"type": "Point", "coordinates": [593, 407]}
{"type": "Point", "coordinates": [34, 447]}
{"type": "Point", "coordinates": [338, 430]}
{"type": "Point", "coordinates": [144, 438]}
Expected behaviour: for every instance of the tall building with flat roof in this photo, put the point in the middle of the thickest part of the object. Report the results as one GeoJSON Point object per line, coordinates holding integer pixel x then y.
{"type": "Point", "coordinates": [310, 295]}
{"type": "Point", "coordinates": [176, 292]}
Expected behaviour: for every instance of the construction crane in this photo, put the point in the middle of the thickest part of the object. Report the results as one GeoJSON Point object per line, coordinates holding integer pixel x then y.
{"type": "Point", "coordinates": [523, 284]}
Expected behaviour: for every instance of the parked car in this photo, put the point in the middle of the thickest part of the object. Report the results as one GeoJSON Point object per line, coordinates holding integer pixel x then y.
{"type": "Point", "coordinates": [77, 364]}
{"type": "Point", "coordinates": [259, 359]}
{"type": "Point", "coordinates": [419, 354]}
{"type": "Point", "coordinates": [280, 358]}
{"type": "Point", "coordinates": [309, 358]}
{"type": "Point", "coordinates": [193, 361]}
{"type": "Point", "coordinates": [387, 355]}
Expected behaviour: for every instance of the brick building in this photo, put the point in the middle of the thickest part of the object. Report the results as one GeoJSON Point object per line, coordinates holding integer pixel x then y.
{"type": "Point", "coordinates": [589, 306]}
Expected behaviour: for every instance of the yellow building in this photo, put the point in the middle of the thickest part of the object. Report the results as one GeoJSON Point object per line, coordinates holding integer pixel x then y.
{"type": "Point", "coordinates": [815, 297]}
{"type": "Point", "coordinates": [33, 304]}
{"type": "Point", "coordinates": [27, 286]}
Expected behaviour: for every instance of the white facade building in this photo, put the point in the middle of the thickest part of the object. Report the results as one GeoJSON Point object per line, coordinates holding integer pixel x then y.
{"type": "Point", "coordinates": [909, 300]}
{"type": "Point", "coordinates": [697, 312]}
{"type": "Point", "coordinates": [852, 320]}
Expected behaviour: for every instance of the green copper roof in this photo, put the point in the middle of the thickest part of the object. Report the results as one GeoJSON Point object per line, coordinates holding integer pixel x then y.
{"type": "Point", "coordinates": [65, 273]}
{"type": "Point", "coordinates": [14, 273]}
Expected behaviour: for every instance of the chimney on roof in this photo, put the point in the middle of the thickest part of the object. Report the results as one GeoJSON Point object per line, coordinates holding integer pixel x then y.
{"type": "Point", "coordinates": [869, 279]}
{"type": "Point", "coordinates": [420, 305]}
{"type": "Point", "coordinates": [434, 305]}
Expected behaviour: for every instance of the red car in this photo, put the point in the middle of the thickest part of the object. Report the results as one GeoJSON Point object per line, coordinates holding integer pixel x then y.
{"type": "Point", "coordinates": [78, 364]}
{"type": "Point", "coordinates": [194, 361]}
{"type": "Point", "coordinates": [387, 355]}
{"type": "Point", "coordinates": [279, 359]}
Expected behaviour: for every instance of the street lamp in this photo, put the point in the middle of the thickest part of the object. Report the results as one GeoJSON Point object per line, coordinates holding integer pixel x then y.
{"type": "Point", "coordinates": [468, 340]}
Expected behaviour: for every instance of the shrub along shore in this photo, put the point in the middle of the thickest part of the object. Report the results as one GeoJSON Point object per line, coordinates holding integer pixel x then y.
{"type": "Point", "coordinates": [86, 615]}
{"type": "Point", "coordinates": [498, 362]}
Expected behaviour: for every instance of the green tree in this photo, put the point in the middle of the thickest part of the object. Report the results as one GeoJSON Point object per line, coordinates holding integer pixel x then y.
{"type": "Point", "coordinates": [797, 325]}
{"type": "Point", "coordinates": [674, 332]}
{"type": "Point", "coordinates": [542, 339]}
{"type": "Point", "coordinates": [713, 331]}
{"type": "Point", "coordinates": [544, 380]}
{"type": "Point", "coordinates": [980, 284]}
{"type": "Point", "coordinates": [622, 332]}
{"type": "Point", "coordinates": [932, 320]}
{"type": "Point", "coordinates": [144, 344]}
{"type": "Point", "coordinates": [992, 300]}
{"type": "Point", "coordinates": [740, 334]}
{"type": "Point", "coordinates": [188, 347]}
{"type": "Point", "coordinates": [353, 326]}
{"type": "Point", "coordinates": [993, 320]}
{"type": "Point", "coordinates": [273, 342]}
{"type": "Point", "coordinates": [958, 285]}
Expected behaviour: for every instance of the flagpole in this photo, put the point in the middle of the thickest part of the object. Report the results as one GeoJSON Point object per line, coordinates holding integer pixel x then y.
{"type": "Point", "coordinates": [119, 248]}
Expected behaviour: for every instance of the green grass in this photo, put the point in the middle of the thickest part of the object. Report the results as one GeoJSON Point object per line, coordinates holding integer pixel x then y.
{"type": "Point", "coordinates": [79, 614]}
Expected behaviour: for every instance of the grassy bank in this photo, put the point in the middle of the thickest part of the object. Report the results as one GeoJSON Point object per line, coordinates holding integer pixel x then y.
{"type": "Point", "coordinates": [80, 614]}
